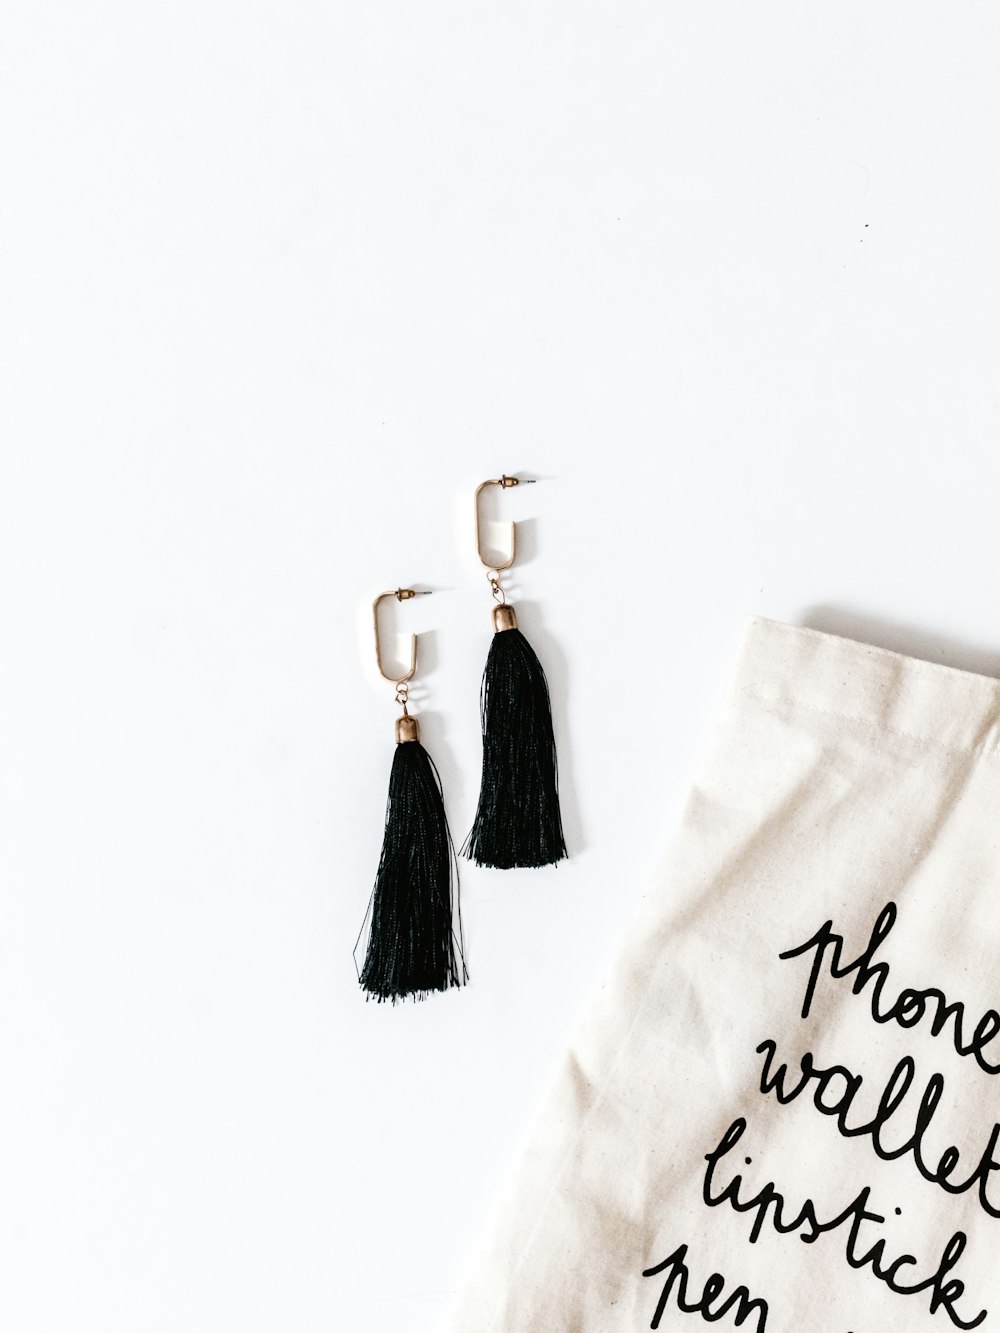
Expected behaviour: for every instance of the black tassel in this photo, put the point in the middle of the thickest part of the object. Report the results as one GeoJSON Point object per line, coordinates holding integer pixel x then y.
{"type": "Point", "coordinates": [518, 822]}
{"type": "Point", "coordinates": [412, 946]}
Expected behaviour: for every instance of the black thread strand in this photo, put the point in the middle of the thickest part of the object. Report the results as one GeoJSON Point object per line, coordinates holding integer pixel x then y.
{"type": "Point", "coordinates": [412, 945]}
{"type": "Point", "coordinates": [518, 821]}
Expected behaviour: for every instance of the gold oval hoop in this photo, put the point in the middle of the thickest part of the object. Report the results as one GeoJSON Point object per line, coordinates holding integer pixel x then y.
{"type": "Point", "coordinates": [505, 483]}
{"type": "Point", "coordinates": [401, 595]}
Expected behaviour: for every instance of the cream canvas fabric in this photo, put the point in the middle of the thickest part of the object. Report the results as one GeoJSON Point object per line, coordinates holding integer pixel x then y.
{"type": "Point", "coordinates": [782, 1112]}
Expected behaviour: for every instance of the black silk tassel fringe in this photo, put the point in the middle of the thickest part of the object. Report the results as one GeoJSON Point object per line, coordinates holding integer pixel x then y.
{"type": "Point", "coordinates": [412, 945]}
{"type": "Point", "coordinates": [518, 822]}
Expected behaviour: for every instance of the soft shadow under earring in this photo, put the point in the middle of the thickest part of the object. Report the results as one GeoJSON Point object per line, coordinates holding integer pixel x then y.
{"type": "Point", "coordinates": [415, 943]}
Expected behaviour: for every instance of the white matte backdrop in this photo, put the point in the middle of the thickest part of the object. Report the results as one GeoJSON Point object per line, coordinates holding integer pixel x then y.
{"type": "Point", "coordinates": [281, 282]}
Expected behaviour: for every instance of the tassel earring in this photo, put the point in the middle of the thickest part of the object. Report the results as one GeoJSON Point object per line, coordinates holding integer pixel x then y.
{"type": "Point", "coordinates": [413, 948]}
{"type": "Point", "coordinates": [518, 822]}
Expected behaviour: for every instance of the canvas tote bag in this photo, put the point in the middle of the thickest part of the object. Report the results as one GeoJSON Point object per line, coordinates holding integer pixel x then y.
{"type": "Point", "coordinates": [783, 1112]}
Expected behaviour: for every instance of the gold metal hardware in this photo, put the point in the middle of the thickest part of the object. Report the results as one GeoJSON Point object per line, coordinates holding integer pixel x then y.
{"type": "Point", "coordinates": [492, 569]}
{"type": "Point", "coordinates": [407, 729]}
{"type": "Point", "coordinates": [498, 593]}
{"type": "Point", "coordinates": [401, 595]}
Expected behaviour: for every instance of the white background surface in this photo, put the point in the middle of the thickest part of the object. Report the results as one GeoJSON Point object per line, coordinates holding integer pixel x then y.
{"type": "Point", "coordinates": [281, 283]}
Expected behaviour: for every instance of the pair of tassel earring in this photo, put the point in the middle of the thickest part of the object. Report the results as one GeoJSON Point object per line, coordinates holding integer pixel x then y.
{"type": "Point", "coordinates": [415, 942]}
